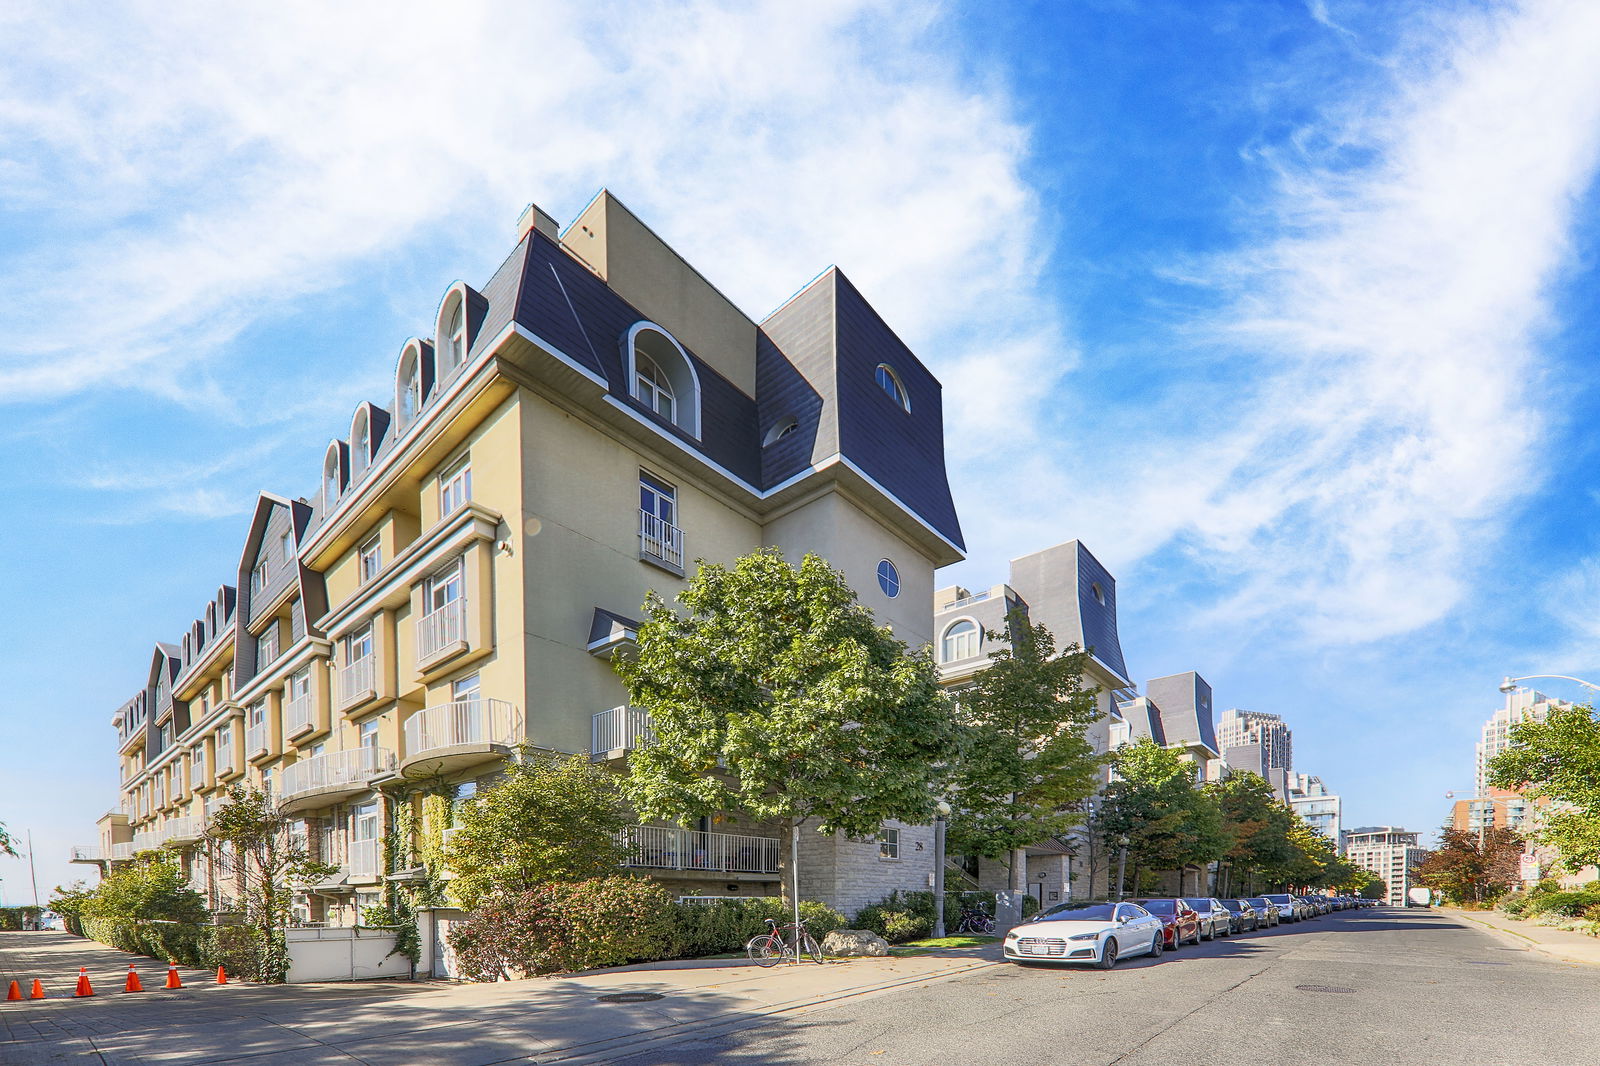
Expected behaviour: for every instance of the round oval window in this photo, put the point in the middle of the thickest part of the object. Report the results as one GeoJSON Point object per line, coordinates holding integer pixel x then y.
{"type": "Point", "coordinates": [888, 579]}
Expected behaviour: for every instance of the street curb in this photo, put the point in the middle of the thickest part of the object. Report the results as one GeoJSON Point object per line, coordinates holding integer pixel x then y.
{"type": "Point", "coordinates": [617, 1047]}
{"type": "Point", "coordinates": [1523, 941]}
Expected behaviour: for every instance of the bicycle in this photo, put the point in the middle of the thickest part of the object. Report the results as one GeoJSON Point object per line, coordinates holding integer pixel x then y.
{"type": "Point", "coordinates": [772, 947]}
{"type": "Point", "coordinates": [976, 921]}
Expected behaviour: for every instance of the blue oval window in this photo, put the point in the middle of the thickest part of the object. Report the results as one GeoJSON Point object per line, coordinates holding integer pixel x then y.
{"type": "Point", "coordinates": [888, 579]}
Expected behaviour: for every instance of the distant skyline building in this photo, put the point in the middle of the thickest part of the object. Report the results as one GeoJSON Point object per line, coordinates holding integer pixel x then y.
{"type": "Point", "coordinates": [1522, 705]}
{"type": "Point", "coordinates": [1239, 728]}
{"type": "Point", "coordinates": [1388, 852]}
{"type": "Point", "coordinates": [1311, 800]}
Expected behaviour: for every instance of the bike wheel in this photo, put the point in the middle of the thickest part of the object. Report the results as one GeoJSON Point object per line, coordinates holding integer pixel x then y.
{"type": "Point", "coordinates": [813, 949]}
{"type": "Point", "coordinates": [985, 926]}
{"type": "Point", "coordinates": [764, 950]}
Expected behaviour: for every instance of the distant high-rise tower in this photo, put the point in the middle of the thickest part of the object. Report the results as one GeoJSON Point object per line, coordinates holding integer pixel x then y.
{"type": "Point", "coordinates": [1239, 728]}
{"type": "Point", "coordinates": [1522, 705]}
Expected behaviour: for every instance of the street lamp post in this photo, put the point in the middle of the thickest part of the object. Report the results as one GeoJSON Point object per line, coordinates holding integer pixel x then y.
{"type": "Point", "coordinates": [943, 811]}
{"type": "Point", "coordinates": [1509, 685]}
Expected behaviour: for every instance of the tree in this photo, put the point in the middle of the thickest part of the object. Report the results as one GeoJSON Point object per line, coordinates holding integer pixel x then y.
{"type": "Point", "coordinates": [776, 695]}
{"type": "Point", "coordinates": [8, 845]}
{"type": "Point", "coordinates": [1023, 761]}
{"type": "Point", "coordinates": [548, 819]}
{"type": "Point", "coordinates": [1558, 760]}
{"type": "Point", "coordinates": [1467, 869]}
{"type": "Point", "coordinates": [152, 888]}
{"type": "Point", "coordinates": [1258, 826]}
{"type": "Point", "coordinates": [1375, 887]}
{"type": "Point", "coordinates": [1153, 802]}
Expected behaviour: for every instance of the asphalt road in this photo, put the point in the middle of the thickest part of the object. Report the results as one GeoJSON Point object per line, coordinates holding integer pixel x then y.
{"type": "Point", "coordinates": [1422, 989]}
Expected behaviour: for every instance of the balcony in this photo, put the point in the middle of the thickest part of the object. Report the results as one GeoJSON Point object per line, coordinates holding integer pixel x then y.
{"type": "Point", "coordinates": [87, 853]}
{"type": "Point", "coordinates": [322, 779]}
{"type": "Point", "coordinates": [299, 714]}
{"type": "Point", "coordinates": [461, 733]}
{"type": "Point", "coordinates": [365, 858]}
{"type": "Point", "coordinates": [146, 840]}
{"type": "Point", "coordinates": [659, 848]}
{"type": "Point", "coordinates": [356, 681]}
{"type": "Point", "coordinates": [619, 729]}
{"type": "Point", "coordinates": [182, 830]}
{"type": "Point", "coordinates": [660, 542]}
{"type": "Point", "coordinates": [121, 852]}
{"type": "Point", "coordinates": [255, 741]}
{"type": "Point", "coordinates": [442, 632]}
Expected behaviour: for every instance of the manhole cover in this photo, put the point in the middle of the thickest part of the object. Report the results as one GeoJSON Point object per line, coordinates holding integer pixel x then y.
{"type": "Point", "coordinates": [630, 997]}
{"type": "Point", "coordinates": [1323, 988]}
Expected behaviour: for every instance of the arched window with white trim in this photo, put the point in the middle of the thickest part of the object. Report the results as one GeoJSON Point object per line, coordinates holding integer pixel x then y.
{"type": "Point", "coordinates": [962, 640]}
{"type": "Point", "coordinates": [408, 386]}
{"type": "Point", "coordinates": [452, 337]}
{"type": "Point", "coordinates": [890, 383]}
{"type": "Point", "coordinates": [662, 377]}
{"type": "Point", "coordinates": [332, 477]}
{"type": "Point", "coordinates": [360, 442]}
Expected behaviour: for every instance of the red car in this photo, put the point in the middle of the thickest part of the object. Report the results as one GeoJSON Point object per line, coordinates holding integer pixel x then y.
{"type": "Point", "coordinates": [1179, 921]}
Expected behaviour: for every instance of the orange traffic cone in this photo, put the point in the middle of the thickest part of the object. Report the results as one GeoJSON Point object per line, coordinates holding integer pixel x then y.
{"type": "Point", "coordinates": [222, 977]}
{"type": "Point", "coordinates": [133, 984]}
{"type": "Point", "coordinates": [37, 991]}
{"type": "Point", "coordinates": [14, 992]}
{"type": "Point", "coordinates": [84, 987]}
{"type": "Point", "coordinates": [172, 976]}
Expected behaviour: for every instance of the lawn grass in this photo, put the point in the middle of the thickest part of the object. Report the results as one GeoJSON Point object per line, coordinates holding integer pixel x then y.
{"type": "Point", "coordinates": [931, 944]}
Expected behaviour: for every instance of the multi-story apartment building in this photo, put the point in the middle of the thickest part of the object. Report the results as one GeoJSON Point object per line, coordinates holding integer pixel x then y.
{"type": "Point", "coordinates": [1069, 592]}
{"type": "Point", "coordinates": [1387, 851]}
{"type": "Point", "coordinates": [1175, 712]}
{"type": "Point", "coordinates": [566, 439]}
{"type": "Point", "coordinates": [1258, 742]}
{"type": "Point", "coordinates": [1311, 800]}
{"type": "Point", "coordinates": [1522, 705]}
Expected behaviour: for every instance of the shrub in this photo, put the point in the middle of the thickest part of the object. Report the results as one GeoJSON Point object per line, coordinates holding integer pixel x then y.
{"type": "Point", "coordinates": [16, 917]}
{"type": "Point", "coordinates": [725, 925]}
{"type": "Point", "coordinates": [244, 952]}
{"type": "Point", "coordinates": [903, 916]}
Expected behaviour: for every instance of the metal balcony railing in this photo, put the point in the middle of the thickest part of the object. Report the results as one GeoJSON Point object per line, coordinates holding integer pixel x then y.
{"type": "Point", "coordinates": [255, 740]}
{"type": "Point", "coordinates": [656, 847]}
{"type": "Point", "coordinates": [336, 769]}
{"type": "Point", "coordinates": [121, 852]}
{"type": "Point", "coordinates": [87, 853]}
{"type": "Point", "coordinates": [146, 840]}
{"type": "Point", "coordinates": [472, 721]}
{"type": "Point", "coordinates": [444, 627]}
{"type": "Point", "coordinates": [299, 713]}
{"type": "Point", "coordinates": [365, 858]}
{"type": "Point", "coordinates": [355, 679]}
{"type": "Point", "coordinates": [182, 830]}
{"type": "Point", "coordinates": [620, 729]}
{"type": "Point", "coordinates": [660, 540]}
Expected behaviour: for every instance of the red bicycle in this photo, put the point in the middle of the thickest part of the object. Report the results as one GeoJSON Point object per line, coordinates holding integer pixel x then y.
{"type": "Point", "coordinates": [776, 945]}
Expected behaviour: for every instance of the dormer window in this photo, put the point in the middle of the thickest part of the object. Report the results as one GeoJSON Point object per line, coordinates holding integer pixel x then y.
{"type": "Point", "coordinates": [662, 377]}
{"type": "Point", "coordinates": [408, 384]}
{"type": "Point", "coordinates": [889, 382]}
{"type": "Point", "coordinates": [456, 335]}
{"type": "Point", "coordinates": [332, 477]}
{"type": "Point", "coordinates": [780, 429]}
{"type": "Point", "coordinates": [452, 337]}
{"type": "Point", "coordinates": [361, 442]}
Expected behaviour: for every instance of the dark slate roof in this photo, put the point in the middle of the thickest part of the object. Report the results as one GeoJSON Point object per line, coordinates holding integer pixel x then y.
{"type": "Point", "coordinates": [1099, 620]}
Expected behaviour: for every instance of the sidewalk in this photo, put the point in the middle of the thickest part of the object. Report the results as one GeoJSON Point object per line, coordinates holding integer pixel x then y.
{"type": "Point", "coordinates": [388, 1023]}
{"type": "Point", "coordinates": [1562, 944]}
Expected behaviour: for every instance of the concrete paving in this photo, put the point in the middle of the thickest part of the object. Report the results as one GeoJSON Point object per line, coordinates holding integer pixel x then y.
{"type": "Point", "coordinates": [402, 1022]}
{"type": "Point", "coordinates": [1563, 944]}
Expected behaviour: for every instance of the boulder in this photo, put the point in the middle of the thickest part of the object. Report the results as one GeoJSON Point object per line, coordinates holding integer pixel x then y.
{"type": "Point", "coordinates": [849, 943]}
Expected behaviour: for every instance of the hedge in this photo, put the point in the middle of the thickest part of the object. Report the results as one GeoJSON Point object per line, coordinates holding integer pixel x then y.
{"type": "Point", "coordinates": [903, 916]}
{"type": "Point", "coordinates": [13, 917]}
{"type": "Point", "coordinates": [608, 921]}
{"type": "Point", "coordinates": [244, 952]}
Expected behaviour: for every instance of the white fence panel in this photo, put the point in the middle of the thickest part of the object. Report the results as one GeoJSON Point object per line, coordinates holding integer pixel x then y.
{"type": "Point", "coordinates": [343, 954]}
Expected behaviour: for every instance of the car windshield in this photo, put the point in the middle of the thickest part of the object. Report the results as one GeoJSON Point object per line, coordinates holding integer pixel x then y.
{"type": "Point", "coordinates": [1199, 904]}
{"type": "Point", "coordinates": [1259, 900]}
{"type": "Point", "coordinates": [1280, 899]}
{"type": "Point", "coordinates": [1157, 906]}
{"type": "Point", "coordinates": [1077, 912]}
{"type": "Point", "coordinates": [1233, 904]}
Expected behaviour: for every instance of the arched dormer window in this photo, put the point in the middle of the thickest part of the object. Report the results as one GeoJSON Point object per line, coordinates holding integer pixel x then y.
{"type": "Point", "coordinates": [360, 442]}
{"type": "Point", "coordinates": [332, 477]}
{"type": "Point", "coordinates": [411, 380]}
{"type": "Point", "coordinates": [662, 377]}
{"type": "Point", "coordinates": [962, 639]}
{"type": "Point", "coordinates": [452, 338]}
{"type": "Point", "coordinates": [780, 429]}
{"type": "Point", "coordinates": [889, 382]}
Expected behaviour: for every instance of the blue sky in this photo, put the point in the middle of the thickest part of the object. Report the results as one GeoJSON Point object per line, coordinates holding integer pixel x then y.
{"type": "Point", "coordinates": [1282, 308]}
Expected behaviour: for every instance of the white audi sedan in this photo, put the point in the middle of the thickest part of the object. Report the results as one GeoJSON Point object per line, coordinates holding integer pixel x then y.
{"type": "Point", "coordinates": [1098, 933]}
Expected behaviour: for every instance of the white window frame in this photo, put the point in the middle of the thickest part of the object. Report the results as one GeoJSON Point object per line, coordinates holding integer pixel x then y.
{"type": "Point", "coordinates": [889, 381]}
{"type": "Point", "coordinates": [267, 648]}
{"type": "Point", "coordinates": [370, 559]}
{"type": "Point", "coordinates": [888, 584]}
{"type": "Point", "coordinates": [408, 397]}
{"type": "Point", "coordinates": [455, 333]}
{"type": "Point", "coordinates": [367, 734]}
{"type": "Point", "coordinates": [947, 638]}
{"type": "Point", "coordinates": [658, 497]}
{"type": "Point", "coordinates": [357, 638]}
{"type": "Point", "coordinates": [889, 844]}
{"type": "Point", "coordinates": [455, 486]}
{"type": "Point", "coordinates": [683, 389]}
{"type": "Point", "coordinates": [444, 586]}
{"type": "Point", "coordinates": [653, 388]}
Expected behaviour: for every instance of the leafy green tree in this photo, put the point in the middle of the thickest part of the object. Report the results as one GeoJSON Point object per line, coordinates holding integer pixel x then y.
{"type": "Point", "coordinates": [1558, 760]}
{"type": "Point", "coordinates": [8, 845]}
{"type": "Point", "coordinates": [777, 696]}
{"type": "Point", "coordinates": [1374, 887]}
{"type": "Point", "coordinates": [252, 846]}
{"type": "Point", "coordinates": [1170, 823]}
{"type": "Point", "coordinates": [548, 819]}
{"type": "Point", "coordinates": [1466, 869]}
{"type": "Point", "coordinates": [151, 888]}
{"type": "Point", "coordinates": [1023, 761]}
{"type": "Point", "coordinates": [1258, 826]}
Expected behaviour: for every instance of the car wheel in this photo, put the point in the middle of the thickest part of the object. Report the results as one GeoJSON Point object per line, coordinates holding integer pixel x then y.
{"type": "Point", "coordinates": [1108, 955]}
{"type": "Point", "coordinates": [1197, 936]}
{"type": "Point", "coordinates": [1205, 932]}
{"type": "Point", "coordinates": [1158, 944]}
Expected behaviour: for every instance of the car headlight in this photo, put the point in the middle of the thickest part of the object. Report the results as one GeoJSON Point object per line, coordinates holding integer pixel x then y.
{"type": "Point", "coordinates": [1084, 936]}
{"type": "Point", "coordinates": [1010, 937]}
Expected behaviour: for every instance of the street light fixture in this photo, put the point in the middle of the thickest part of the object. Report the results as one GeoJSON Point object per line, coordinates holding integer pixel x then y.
{"type": "Point", "coordinates": [942, 811]}
{"type": "Point", "coordinates": [1122, 862]}
{"type": "Point", "coordinates": [1509, 685]}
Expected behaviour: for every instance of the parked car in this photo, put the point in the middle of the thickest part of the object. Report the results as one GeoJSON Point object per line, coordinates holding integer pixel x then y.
{"type": "Point", "coordinates": [1246, 919]}
{"type": "Point", "coordinates": [1215, 920]}
{"type": "Point", "coordinates": [1271, 913]}
{"type": "Point", "coordinates": [1289, 909]}
{"type": "Point", "coordinates": [1086, 932]}
{"type": "Point", "coordinates": [1178, 919]}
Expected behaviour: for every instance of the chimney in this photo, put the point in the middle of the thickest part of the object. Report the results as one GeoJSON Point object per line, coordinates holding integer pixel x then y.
{"type": "Point", "coordinates": [533, 217]}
